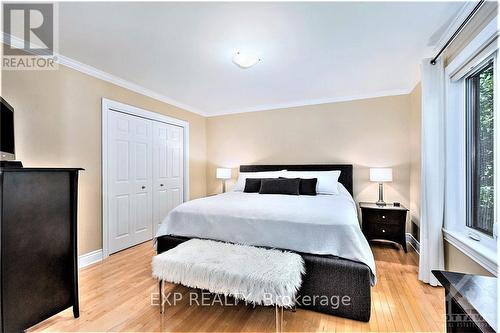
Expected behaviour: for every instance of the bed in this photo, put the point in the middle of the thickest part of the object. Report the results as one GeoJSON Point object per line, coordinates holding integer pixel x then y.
{"type": "Point", "coordinates": [323, 229]}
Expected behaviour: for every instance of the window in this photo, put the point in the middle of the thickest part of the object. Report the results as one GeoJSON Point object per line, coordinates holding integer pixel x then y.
{"type": "Point", "coordinates": [472, 182]}
{"type": "Point", "coordinates": [480, 146]}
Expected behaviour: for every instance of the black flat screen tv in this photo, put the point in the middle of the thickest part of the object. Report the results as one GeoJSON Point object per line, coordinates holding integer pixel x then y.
{"type": "Point", "coordinates": [7, 151]}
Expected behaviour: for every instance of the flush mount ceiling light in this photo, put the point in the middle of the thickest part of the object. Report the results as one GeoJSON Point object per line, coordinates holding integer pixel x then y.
{"type": "Point", "coordinates": [245, 60]}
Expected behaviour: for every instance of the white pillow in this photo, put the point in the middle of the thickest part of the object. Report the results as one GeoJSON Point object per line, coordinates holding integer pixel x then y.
{"type": "Point", "coordinates": [240, 183]}
{"type": "Point", "coordinates": [327, 180]}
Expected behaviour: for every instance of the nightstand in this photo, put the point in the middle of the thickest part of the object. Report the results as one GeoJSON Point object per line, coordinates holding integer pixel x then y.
{"type": "Point", "coordinates": [384, 222]}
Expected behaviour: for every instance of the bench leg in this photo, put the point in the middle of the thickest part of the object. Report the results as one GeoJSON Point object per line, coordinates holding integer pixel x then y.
{"type": "Point", "coordinates": [279, 319]}
{"type": "Point", "coordinates": [162, 303]}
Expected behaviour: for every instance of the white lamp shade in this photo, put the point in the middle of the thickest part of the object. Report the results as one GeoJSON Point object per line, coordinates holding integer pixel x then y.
{"type": "Point", "coordinates": [381, 175]}
{"type": "Point", "coordinates": [223, 173]}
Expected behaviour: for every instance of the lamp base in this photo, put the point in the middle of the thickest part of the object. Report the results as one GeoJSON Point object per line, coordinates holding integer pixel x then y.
{"type": "Point", "coordinates": [380, 201]}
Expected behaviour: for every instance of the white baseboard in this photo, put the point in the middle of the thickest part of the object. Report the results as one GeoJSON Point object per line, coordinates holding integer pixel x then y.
{"type": "Point", "coordinates": [413, 242]}
{"type": "Point", "coordinates": [90, 258]}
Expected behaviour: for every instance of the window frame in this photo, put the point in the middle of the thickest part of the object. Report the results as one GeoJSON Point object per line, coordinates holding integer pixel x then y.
{"type": "Point", "coordinates": [471, 137]}
{"type": "Point", "coordinates": [455, 230]}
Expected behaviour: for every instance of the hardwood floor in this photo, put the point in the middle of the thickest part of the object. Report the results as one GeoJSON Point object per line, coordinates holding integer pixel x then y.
{"type": "Point", "coordinates": [115, 295]}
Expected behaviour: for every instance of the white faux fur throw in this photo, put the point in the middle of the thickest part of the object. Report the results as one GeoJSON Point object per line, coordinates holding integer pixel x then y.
{"type": "Point", "coordinates": [256, 275]}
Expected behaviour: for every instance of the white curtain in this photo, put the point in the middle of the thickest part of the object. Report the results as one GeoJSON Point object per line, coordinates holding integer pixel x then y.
{"type": "Point", "coordinates": [433, 166]}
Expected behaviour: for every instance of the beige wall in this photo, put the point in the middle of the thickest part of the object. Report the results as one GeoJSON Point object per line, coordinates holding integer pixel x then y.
{"type": "Point", "coordinates": [58, 123]}
{"type": "Point", "coordinates": [456, 261]}
{"type": "Point", "coordinates": [366, 133]}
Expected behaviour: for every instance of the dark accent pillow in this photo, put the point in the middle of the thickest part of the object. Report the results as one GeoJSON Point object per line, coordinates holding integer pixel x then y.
{"type": "Point", "coordinates": [307, 186]}
{"type": "Point", "coordinates": [252, 185]}
{"type": "Point", "coordinates": [288, 186]}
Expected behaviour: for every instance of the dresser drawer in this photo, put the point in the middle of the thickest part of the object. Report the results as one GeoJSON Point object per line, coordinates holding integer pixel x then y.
{"type": "Point", "coordinates": [383, 231]}
{"type": "Point", "coordinates": [380, 216]}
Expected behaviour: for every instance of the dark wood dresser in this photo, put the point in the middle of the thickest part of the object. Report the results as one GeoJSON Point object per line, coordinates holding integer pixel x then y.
{"type": "Point", "coordinates": [471, 302]}
{"type": "Point", "coordinates": [384, 222]}
{"type": "Point", "coordinates": [38, 253]}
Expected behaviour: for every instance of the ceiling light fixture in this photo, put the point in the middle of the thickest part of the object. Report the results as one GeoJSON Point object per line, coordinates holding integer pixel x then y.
{"type": "Point", "coordinates": [245, 60]}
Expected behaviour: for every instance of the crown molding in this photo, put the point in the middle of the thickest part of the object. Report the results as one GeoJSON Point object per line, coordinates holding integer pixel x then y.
{"type": "Point", "coordinates": [415, 84]}
{"type": "Point", "coordinates": [92, 71]}
{"type": "Point", "coordinates": [102, 75]}
{"type": "Point", "coordinates": [310, 102]}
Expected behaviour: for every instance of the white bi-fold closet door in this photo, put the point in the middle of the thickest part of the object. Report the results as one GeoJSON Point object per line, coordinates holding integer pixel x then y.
{"type": "Point", "coordinates": [168, 170]}
{"type": "Point", "coordinates": [145, 177]}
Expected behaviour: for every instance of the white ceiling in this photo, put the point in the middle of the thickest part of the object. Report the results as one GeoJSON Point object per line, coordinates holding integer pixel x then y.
{"type": "Point", "coordinates": [311, 52]}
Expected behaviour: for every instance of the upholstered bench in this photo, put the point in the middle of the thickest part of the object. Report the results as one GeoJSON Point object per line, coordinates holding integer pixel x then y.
{"type": "Point", "coordinates": [256, 275]}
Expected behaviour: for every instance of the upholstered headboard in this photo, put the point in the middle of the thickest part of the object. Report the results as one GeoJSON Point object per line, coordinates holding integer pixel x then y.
{"type": "Point", "coordinates": [345, 170]}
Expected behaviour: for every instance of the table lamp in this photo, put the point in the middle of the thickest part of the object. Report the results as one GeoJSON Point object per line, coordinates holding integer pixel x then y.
{"type": "Point", "coordinates": [224, 174]}
{"type": "Point", "coordinates": [381, 175]}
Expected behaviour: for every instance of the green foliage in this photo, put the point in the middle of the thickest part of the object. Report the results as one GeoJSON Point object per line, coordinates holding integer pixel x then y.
{"type": "Point", "coordinates": [485, 149]}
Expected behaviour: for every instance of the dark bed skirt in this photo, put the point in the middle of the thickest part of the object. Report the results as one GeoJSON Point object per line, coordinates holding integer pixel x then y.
{"type": "Point", "coordinates": [331, 284]}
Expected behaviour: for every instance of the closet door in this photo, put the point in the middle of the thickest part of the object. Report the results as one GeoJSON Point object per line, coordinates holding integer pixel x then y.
{"type": "Point", "coordinates": [129, 180]}
{"type": "Point", "coordinates": [168, 168]}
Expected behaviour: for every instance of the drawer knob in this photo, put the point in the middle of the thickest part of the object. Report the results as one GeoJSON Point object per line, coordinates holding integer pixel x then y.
{"type": "Point", "coordinates": [143, 187]}
{"type": "Point", "coordinates": [161, 185]}
{"type": "Point", "coordinates": [383, 230]}
{"type": "Point", "coordinates": [383, 216]}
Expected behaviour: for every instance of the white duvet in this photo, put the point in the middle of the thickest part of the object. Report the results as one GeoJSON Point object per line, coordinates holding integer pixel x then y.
{"type": "Point", "coordinates": [322, 224]}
